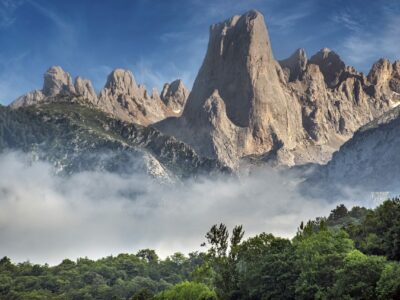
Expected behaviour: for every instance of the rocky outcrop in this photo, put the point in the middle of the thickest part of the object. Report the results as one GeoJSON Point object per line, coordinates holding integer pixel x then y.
{"type": "Point", "coordinates": [28, 99]}
{"type": "Point", "coordinates": [57, 81]}
{"type": "Point", "coordinates": [295, 65]}
{"type": "Point", "coordinates": [245, 103]}
{"type": "Point", "coordinates": [336, 100]}
{"type": "Point", "coordinates": [121, 96]}
{"type": "Point", "coordinates": [84, 88]}
{"type": "Point", "coordinates": [174, 96]}
{"type": "Point", "coordinates": [330, 65]}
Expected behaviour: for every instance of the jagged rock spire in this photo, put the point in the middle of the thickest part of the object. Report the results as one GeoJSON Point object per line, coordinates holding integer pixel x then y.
{"type": "Point", "coordinates": [84, 88]}
{"type": "Point", "coordinates": [295, 65]}
{"type": "Point", "coordinates": [57, 81]}
{"type": "Point", "coordinates": [174, 95]}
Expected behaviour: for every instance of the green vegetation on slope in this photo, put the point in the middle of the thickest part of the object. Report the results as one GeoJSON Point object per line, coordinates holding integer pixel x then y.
{"type": "Point", "coordinates": [75, 137]}
{"type": "Point", "coordinates": [349, 255]}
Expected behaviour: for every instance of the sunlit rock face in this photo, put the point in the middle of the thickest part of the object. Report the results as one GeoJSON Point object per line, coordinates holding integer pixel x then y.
{"type": "Point", "coordinates": [244, 103]}
{"type": "Point", "coordinates": [128, 101]}
{"type": "Point", "coordinates": [121, 96]}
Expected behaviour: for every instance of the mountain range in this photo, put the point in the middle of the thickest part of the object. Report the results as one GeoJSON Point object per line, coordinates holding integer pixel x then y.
{"type": "Point", "coordinates": [245, 107]}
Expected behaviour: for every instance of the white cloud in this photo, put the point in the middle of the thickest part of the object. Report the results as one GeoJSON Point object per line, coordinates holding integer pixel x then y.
{"type": "Point", "coordinates": [45, 218]}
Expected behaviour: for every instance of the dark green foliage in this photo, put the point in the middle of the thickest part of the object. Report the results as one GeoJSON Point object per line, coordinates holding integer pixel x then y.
{"type": "Point", "coordinates": [267, 268]}
{"type": "Point", "coordinates": [378, 233]}
{"type": "Point", "coordinates": [122, 277]}
{"type": "Point", "coordinates": [318, 256]}
{"type": "Point", "coordinates": [359, 276]}
{"type": "Point", "coordinates": [224, 264]}
{"type": "Point", "coordinates": [389, 282]}
{"type": "Point", "coordinates": [187, 291]}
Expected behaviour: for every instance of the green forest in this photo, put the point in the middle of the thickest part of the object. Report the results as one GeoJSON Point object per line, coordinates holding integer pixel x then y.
{"type": "Point", "coordinates": [351, 254]}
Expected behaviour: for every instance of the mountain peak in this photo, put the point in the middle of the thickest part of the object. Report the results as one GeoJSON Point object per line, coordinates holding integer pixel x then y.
{"type": "Point", "coordinates": [295, 65]}
{"type": "Point", "coordinates": [174, 95]}
{"type": "Point", "coordinates": [57, 81]}
{"type": "Point", "coordinates": [380, 72]}
{"type": "Point", "coordinates": [330, 64]}
{"type": "Point", "coordinates": [121, 81]}
{"type": "Point", "coordinates": [84, 88]}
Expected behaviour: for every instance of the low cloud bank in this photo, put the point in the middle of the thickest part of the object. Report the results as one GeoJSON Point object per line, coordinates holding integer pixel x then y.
{"type": "Point", "coordinates": [45, 218]}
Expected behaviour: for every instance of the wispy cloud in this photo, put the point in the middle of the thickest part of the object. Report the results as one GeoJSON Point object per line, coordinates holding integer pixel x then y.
{"type": "Point", "coordinates": [348, 20]}
{"type": "Point", "coordinates": [363, 46]}
{"type": "Point", "coordinates": [155, 75]}
{"type": "Point", "coordinates": [7, 12]}
{"type": "Point", "coordinates": [287, 21]}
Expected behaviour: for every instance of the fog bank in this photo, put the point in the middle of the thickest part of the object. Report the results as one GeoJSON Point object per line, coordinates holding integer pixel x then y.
{"type": "Point", "coordinates": [45, 218]}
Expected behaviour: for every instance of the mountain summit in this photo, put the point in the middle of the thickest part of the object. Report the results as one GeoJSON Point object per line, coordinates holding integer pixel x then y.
{"type": "Point", "coordinates": [245, 103]}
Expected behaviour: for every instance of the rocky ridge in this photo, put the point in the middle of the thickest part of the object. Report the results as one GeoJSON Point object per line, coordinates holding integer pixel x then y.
{"type": "Point", "coordinates": [244, 103]}
{"type": "Point", "coordinates": [121, 96]}
{"type": "Point", "coordinates": [299, 110]}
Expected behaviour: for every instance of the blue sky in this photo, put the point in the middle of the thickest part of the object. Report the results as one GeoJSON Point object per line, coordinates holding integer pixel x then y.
{"type": "Point", "coordinates": [161, 40]}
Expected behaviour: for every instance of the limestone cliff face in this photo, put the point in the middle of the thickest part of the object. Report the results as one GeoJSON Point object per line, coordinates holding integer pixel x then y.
{"type": "Point", "coordinates": [336, 100]}
{"type": "Point", "coordinates": [126, 100]}
{"type": "Point", "coordinates": [121, 96]}
{"type": "Point", "coordinates": [239, 104]}
{"type": "Point", "coordinates": [299, 110]}
{"type": "Point", "coordinates": [57, 83]}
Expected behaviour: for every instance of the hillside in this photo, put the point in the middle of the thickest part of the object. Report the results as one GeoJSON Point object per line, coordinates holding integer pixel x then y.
{"type": "Point", "coordinates": [75, 137]}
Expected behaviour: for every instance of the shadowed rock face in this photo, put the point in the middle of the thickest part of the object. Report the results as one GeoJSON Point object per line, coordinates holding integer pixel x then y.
{"type": "Point", "coordinates": [368, 162]}
{"type": "Point", "coordinates": [330, 65]}
{"type": "Point", "coordinates": [295, 65]}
